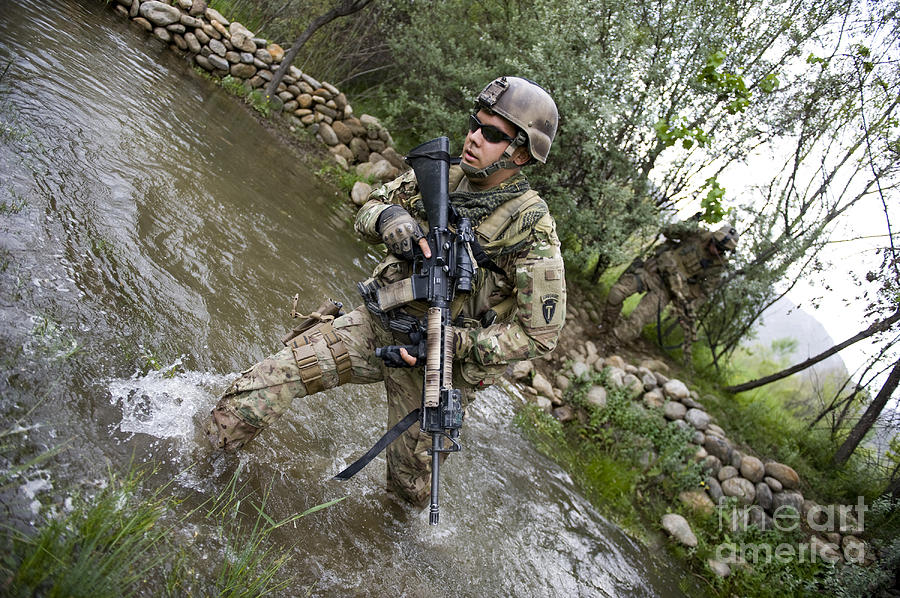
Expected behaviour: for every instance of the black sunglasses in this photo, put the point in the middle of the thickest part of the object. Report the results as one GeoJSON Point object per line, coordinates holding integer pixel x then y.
{"type": "Point", "coordinates": [491, 133]}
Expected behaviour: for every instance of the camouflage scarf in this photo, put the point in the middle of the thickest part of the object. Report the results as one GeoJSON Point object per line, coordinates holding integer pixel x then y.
{"type": "Point", "coordinates": [478, 205]}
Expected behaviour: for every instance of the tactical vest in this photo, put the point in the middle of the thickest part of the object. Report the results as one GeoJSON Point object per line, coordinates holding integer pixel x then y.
{"type": "Point", "coordinates": [694, 260]}
{"type": "Point", "coordinates": [508, 226]}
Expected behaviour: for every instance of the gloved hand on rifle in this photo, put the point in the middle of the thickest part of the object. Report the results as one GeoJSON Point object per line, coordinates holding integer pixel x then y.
{"type": "Point", "coordinates": [403, 356]}
{"type": "Point", "coordinates": [400, 231]}
{"type": "Point", "coordinates": [407, 356]}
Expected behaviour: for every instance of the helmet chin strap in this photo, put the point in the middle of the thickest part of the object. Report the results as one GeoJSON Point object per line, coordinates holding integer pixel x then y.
{"type": "Point", "coordinates": [505, 161]}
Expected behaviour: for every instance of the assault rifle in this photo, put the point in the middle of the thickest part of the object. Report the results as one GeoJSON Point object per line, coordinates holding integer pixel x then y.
{"type": "Point", "coordinates": [435, 280]}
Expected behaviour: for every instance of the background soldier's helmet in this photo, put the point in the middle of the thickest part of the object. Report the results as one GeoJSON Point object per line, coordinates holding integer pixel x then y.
{"type": "Point", "coordinates": [726, 237]}
{"type": "Point", "coordinates": [528, 106]}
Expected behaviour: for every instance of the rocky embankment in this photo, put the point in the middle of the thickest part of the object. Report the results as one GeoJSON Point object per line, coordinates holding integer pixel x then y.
{"type": "Point", "coordinates": [226, 48]}
{"type": "Point", "coordinates": [766, 493]}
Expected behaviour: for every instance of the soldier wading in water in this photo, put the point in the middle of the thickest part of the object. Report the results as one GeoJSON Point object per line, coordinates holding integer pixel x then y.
{"type": "Point", "coordinates": [514, 311]}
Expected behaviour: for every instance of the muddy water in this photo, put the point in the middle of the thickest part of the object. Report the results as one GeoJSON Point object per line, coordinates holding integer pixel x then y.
{"type": "Point", "coordinates": [151, 235]}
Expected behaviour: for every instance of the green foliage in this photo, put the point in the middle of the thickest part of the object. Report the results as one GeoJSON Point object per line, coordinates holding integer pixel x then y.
{"type": "Point", "coordinates": [255, 98]}
{"type": "Point", "coordinates": [731, 87]}
{"type": "Point", "coordinates": [669, 134]}
{"type": "Point", "coordinates": [259, 102]}
{"type": "Point", "coordinates": [616, 450]}
{"type": "Point", "coordinates": [854, 580]}
{"type": "Point", "coordinates": [344, 179]}
{"type": "Point", "coordinates": [775, 424]}
{"type": "Point", "coordinates": [608, 481]}
{"type": "Point", "coordinates": [251, 561]}
{"type": "Point", "coordinates": [755, 569]}
{"type": "Point", "coordinates": [244, 11]}
{"type": "Point", "coordinates": [711, 204]}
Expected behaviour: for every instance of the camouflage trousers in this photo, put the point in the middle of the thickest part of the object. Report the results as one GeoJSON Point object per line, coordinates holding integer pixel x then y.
{"type": "Point", "coordinates": [265, 392]}
{"type": "Point", "coordinates": [650, 305]}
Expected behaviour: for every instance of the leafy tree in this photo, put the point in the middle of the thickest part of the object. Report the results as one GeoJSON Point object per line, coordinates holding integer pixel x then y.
{"type": "Point", "coordinates": [838, 147]}
{"type": "Point", "coordinates": [340, 9]}
{"type": "Point", "coordinates": [655, 100]}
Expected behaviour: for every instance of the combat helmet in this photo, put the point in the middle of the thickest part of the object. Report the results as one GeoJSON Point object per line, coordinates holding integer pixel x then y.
{"type": "Point", "coordinates": [726, 237]}
{"type": "Point", "coordinates": [528, 106]}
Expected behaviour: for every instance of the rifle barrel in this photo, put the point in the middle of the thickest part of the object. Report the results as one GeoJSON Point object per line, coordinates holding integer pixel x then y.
{"type": "Point", "coordinates": [434, 513]}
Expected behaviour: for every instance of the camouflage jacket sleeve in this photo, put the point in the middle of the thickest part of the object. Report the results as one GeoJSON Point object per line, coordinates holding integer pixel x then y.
{"type": "Point", "coordinates": [682, 230]}
{"type": "Point", "coordinates": [540, 292]}
{"type": "Point", "coordinates": [401, 191]}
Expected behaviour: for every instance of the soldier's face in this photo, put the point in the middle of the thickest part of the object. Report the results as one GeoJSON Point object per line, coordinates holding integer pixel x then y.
{"type": "Point", "coordinates": [480, 153]}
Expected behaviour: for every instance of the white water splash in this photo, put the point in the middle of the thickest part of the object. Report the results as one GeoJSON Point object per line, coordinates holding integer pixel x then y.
{"type": "Point", "coordinates": [163, 404]}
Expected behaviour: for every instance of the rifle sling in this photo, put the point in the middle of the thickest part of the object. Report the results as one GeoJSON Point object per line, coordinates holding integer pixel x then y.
{"type": "Point", "coordinates": [389, 437]}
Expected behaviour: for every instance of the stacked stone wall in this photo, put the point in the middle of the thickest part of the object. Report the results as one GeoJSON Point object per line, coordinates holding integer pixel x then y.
{"type": "Point", "coordinates": [226, 48]}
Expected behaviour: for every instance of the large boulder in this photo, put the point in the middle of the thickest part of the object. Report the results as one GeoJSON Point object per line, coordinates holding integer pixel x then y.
{"type": "Point", "coordinates": [276, 52]}
{"type": "Point", "coordinates": [764, 496]}
{"type": "Point", "coordinates": [214, 15]}
{"type": "Point", "coordinates": [757, 516]}
{"type": "Point", "coordinates": [676, 389]}
{"type": "Point", "coordinates": [678, 527]}
{"type": "Point", "coordinates": [824, 550]}
{"type": "Point", "coordinates": [633, 387]}
{"type": "Point", "coordinates": [674, 410]}
{"type": "Point", "coordinates": [714, 489]}
{"type": "Point", "coordinates": [719, 568]}
{"type": "Point", "coordinates": [653, 398]}
{"type": "Point", "coordinates": [787, 499]}
{"type": "Point", "coordinates": [784, 474]}
{"type": "Point", "coordinates": [360, 193]}
{"type": "Point", "coordinates": [159, 13]}
{"type": "Point", "coordinates": [542, 385]}
{"type": "Point", "coordinates": [522, 369]}
{"type": "Point", "coordinates": [752, 469]}
{"type": "Point", "coordinates": [740, 488]}
{"type": "Point", "coordinates": [242, 38]}
{"type": "Point", "coordinates": [614, 361]}
{"type": "Point", "coordinates": [774, 484]}
{"type": "Point", "coordinates": [718, 447]}
{"type": "Point", "coordinates": [726, 473]}
{"type": "Point", "coordinates": [856, 551]}
{"type": "Point", "coordinates": [654, 365]}
{"type": "Point", "coordinates": [596, 396]}
{"type": "Point", "coordinates": [711, 465]}
{"type": "Point", "coordinates": [697, 418]}
{"type": "Point", "coordinates": [579, 369]}
{"type": "Point", "coordinates": [698, 501]}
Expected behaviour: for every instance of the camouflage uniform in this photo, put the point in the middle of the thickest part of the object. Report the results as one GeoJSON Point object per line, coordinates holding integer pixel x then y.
{"type": "Point", "coordinates": [528, 299]}
{"type": "Point", "coordinates": [681, 272]}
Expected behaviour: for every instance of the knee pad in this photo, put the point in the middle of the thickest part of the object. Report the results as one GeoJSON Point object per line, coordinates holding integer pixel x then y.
{"type": "Point", "coordinates": [303, 349]}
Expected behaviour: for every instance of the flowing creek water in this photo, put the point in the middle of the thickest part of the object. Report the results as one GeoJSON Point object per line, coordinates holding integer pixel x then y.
{"type": "Point", "coordinates": [148, 219]}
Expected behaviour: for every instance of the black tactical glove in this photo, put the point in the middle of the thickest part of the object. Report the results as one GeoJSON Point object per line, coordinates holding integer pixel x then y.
{"type": "Point", "coordinates": [399, 231]}
{"type": "Point", "coordinates": [391, 354]}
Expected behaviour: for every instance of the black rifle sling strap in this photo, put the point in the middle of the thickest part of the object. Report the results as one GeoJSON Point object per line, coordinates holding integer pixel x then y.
{"type": "Point", "coordinates": [483, 260]}
{"type": "Point", "coordinates": [389, 437]}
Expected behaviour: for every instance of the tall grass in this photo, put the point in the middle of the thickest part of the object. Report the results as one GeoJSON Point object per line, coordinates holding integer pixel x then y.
{"type": "Point", "coordinates": [105, 546]}
{"type": "Point", "coordinates": [121, 541]}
